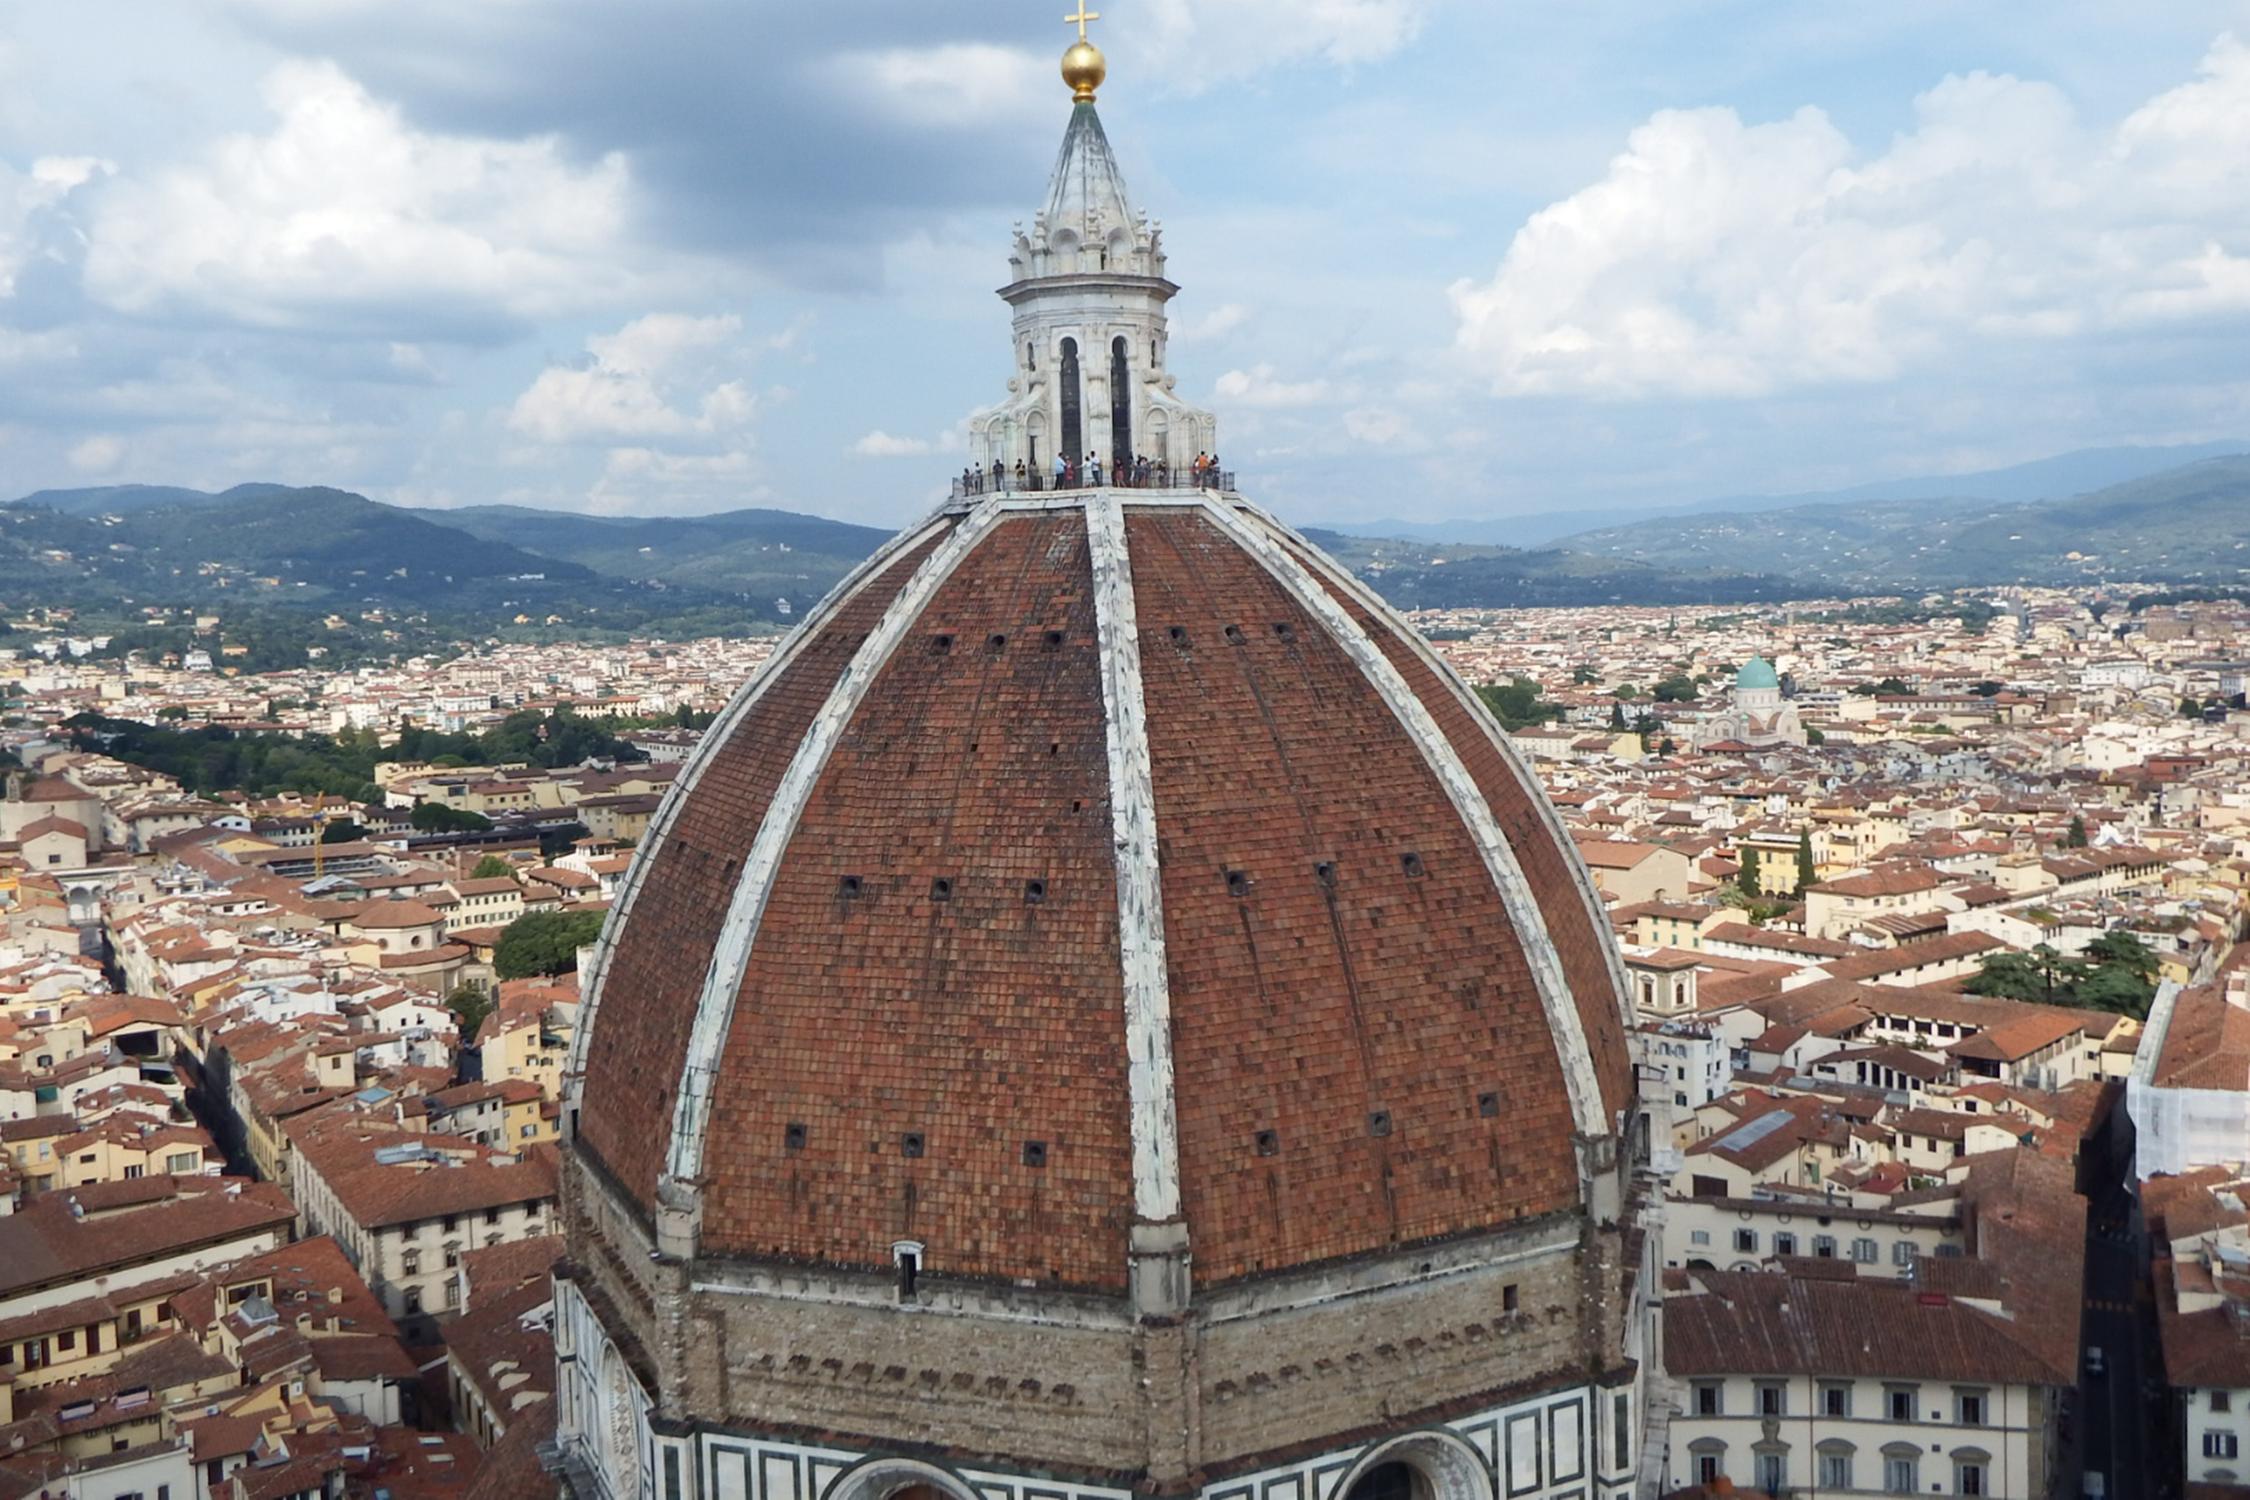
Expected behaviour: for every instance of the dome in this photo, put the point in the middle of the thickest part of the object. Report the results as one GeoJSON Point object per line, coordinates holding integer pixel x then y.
{"type": "Point", "coordinates": [1092, 861]}
{"type": "Point", "coordinates": [1757, 674]}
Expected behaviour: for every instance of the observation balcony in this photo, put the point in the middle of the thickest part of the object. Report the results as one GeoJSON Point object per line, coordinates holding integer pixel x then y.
{"type": "Point", "coordinates": [972, 484]}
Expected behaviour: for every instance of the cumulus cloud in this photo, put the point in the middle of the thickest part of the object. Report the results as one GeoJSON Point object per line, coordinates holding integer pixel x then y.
{"type": "Point", "coordinates": [343, 213]}
{"type": "Point", "coordinates": [1217, 323]}
{"type": "Point", "coordinates": [1210, 39]}
{"type": "Point", "coordinates": [97, 455]}
{"type": "Point", "coordinates": [1380, 427]}
{"type": "Point", "coordinates": [880, 444]}
{"type": "Point", "coordinates": [29, 206]}
{"type": "Point", "coordinates": [1260, 386]}
{"type": "Point", "coordinates": [1719, 258]}
{"type": "Point", "coordinates": [647, 380]}
{"type": "Point", "coordinates": [948, 86]}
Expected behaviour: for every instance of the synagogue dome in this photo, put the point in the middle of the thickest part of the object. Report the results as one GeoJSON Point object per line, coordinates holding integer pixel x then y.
{"type": "Point", "coordinates": [1090, 861]}
{"type": "Point", "coordinates": [1757, 675]}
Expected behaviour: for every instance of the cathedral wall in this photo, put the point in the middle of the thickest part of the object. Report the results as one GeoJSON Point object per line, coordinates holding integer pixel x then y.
{"type": "Point", "coordinates": [1063, 1393]}
{"type": "Point", "coordinates": [1365, 1361]}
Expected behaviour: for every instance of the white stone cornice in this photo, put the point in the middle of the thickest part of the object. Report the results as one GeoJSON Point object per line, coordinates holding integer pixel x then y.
{"type": "Point", "coordinates": [714, 1012]}
{"type": "Point", "coordinates": [1140, 896]}
{"type": "Point", "coordinates": [683, 785]}
{"type": "Point", "coordinates": [1567, 1027]}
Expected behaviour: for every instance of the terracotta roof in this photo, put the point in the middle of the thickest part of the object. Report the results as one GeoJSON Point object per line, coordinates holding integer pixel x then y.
{"type": "Point", "coordinates": [1326, 912]}
{"type": "Point", "coordinates": [1758, 1323]}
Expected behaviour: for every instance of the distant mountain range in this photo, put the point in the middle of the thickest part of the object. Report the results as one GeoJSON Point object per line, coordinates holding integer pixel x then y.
{"type": "Point", "coordinates": [114, 553]}
{"type": "Point", "coordinates": [2056, 478]}
{"type": "Point", "coordinates": [2188, 525]}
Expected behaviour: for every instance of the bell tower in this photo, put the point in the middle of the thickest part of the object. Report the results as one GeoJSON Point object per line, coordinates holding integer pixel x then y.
{"type": "Point", "coordinates": [1088, 290]}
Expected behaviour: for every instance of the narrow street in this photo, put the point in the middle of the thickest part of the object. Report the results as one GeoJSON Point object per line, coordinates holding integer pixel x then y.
{"type": "Point", "coordinates": [2121, 1427]}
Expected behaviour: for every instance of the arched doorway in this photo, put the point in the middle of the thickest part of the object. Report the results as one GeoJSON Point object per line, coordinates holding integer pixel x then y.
{"type": "Point", "coordinates": [1073, 422]}
{"type": "Point", "coordinates": [1120, 403]}
{"type": "Point", "coordinates": [1432, 1464]}
{"type": "Point", "coordinates": [897, 1479]}
{"type": "Point", "coordinates": [1390, 1481]}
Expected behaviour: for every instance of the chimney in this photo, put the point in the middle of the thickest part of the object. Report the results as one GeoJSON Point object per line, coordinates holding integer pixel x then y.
{"type": "Point", "coordinates": [15, 786]}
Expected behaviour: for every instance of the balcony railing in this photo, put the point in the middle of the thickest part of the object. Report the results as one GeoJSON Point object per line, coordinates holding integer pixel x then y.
{"type": "Point", "coordinates": [969, 484]}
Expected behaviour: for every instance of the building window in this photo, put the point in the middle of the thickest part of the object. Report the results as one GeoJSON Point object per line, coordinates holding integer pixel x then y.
{"type": "Point", "coordinates": [1773, 1399]}
{"type": "Point", "coordinates": [1899, 1400]}
{"type": "Point", "coordinates": [1746, 1241]}
{"type": "Point", "coordinates": [1784, 1244]}
{"type": "Point", "coordinates": [1773, 1472]}
{"type": "Point", "coordinates": [1864, 1251]}
{"type": "Point", "coordinates": [1711, 1465]}
{"type": "Point", "coordinates": [1968, 1408]}
{"type": "Point", "coordinates": [1902, 1253]}
{"type": "Point", "coordinates": [1835, 1399]}
{"type": "Point", "coordinates": [1824, 1246]}
{"type": "Point", "coordinates": [1902, 1475]}
{"type": "Point", "coordinates": [1699, 1237]}
{"type": "Point", "coordinates": [1710, 1399]}
{"type": "Point", "coordinates": [413, 1299]}
{"type": "Point", "coordinates": [1836, 1470]}
{"type": "Point", "coordinates": [1621, 1431]}
{"type": "Point", "coordinates": [2219, 1445]}
{"type": "Point", "coordinates": [2220, 1401]}
{"type": "Point", "coordinates": [410, 1264]}
{"type": "Point", "coordinates": [1968, 1476]}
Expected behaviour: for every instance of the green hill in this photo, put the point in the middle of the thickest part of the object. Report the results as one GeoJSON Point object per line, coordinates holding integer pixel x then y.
{"type": "Point", "coordinates": [2187, 525]}
{"type": "Point", "coordinates": [1428, 575]}
{"type": "Point", "coordinates": [769, 555]}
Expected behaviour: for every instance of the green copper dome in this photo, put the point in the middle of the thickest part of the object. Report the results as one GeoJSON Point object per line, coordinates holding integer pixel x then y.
{"type": "Point", "coordinates": [1757, 672]}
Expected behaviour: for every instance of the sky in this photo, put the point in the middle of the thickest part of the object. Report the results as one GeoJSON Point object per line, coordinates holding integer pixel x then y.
{"type": "Point", "coordinates": [1439, 258]}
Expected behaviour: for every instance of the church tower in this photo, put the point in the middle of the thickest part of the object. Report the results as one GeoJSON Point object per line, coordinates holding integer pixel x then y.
{"type": "Point", "coordinates": [1088, 289]}
{"type": "Point", "coordinates": [1104, 1014]}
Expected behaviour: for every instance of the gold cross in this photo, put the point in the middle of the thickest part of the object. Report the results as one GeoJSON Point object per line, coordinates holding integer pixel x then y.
{"type": "Point", "coordinates": [1084, 15]}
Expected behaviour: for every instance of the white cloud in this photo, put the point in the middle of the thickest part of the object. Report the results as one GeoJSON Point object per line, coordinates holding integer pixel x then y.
{"type": "Point", "coordinates": [880, 444]}
{"type": "Point", "coordinates": [1717, 258]}
{"type": "Point", "coordinates": [1379, 427]}
{"type": "Point", "coordinates": [1217, 323]}
{"type": "Point", "coordinates": [1210, 39]}
{"type": "Point", "coordinates": [28, 197]}
{"type": "Point", "coordinates": [1258, 386]}
{"type": "Point", "coordinates": [650, 379]}
{"type": "Point", "coordinates": [638, 478]}
{"type": "Point", "coordinates": [961, 84]}
{"type": "Point", "coordinates": [342, 210]}
{"type": "Point", "coordinates": [97, 455]}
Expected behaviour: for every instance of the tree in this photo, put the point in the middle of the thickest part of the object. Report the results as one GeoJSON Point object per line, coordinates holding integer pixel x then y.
{"type": "Point", "coordinates": [1807, 872]}
{"type": "Point", "coordinates": [438, 817]}
{"type": "Point", "coordinates": [1987, 689]}
{"type": "Point", "coordinates": [341, 831]}
{"type": "Point", "coordinates": [2113, 987]}
{"type": "Point", "coordinates": [493, 867]}
{"type": "Point", "coordinates": [1748, 879]}
{"type": "Point", "coordinates": [1581, 676]}
{"type": "Point", "coordinates": [1668, 748]}
{"type": "Point", "coordinates": [544, 942]}
{"type": "Point", "coordinates": [470, 1006]}
{"type": "Point", "coordinates": [2042, 974]}
{"type": "Point", "coordinates": [2075, 838]}
{"type": "Point", "coordinates": [2120, 949]}
{"type": "Point", "coordinates": [1815, 738]}
{"type": "Point", "coordinates": [1617, 716]}
{"type": "Point", "coordinates": [1516, 704]}
{"type": "Point", "coordinates": [1675, 689]}
{"type": "Point", "coordinates": [2190, 709]}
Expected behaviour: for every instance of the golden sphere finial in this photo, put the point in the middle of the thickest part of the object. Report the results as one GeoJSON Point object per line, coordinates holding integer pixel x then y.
{"type": "Point", "coordinates": [1083, 66]}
